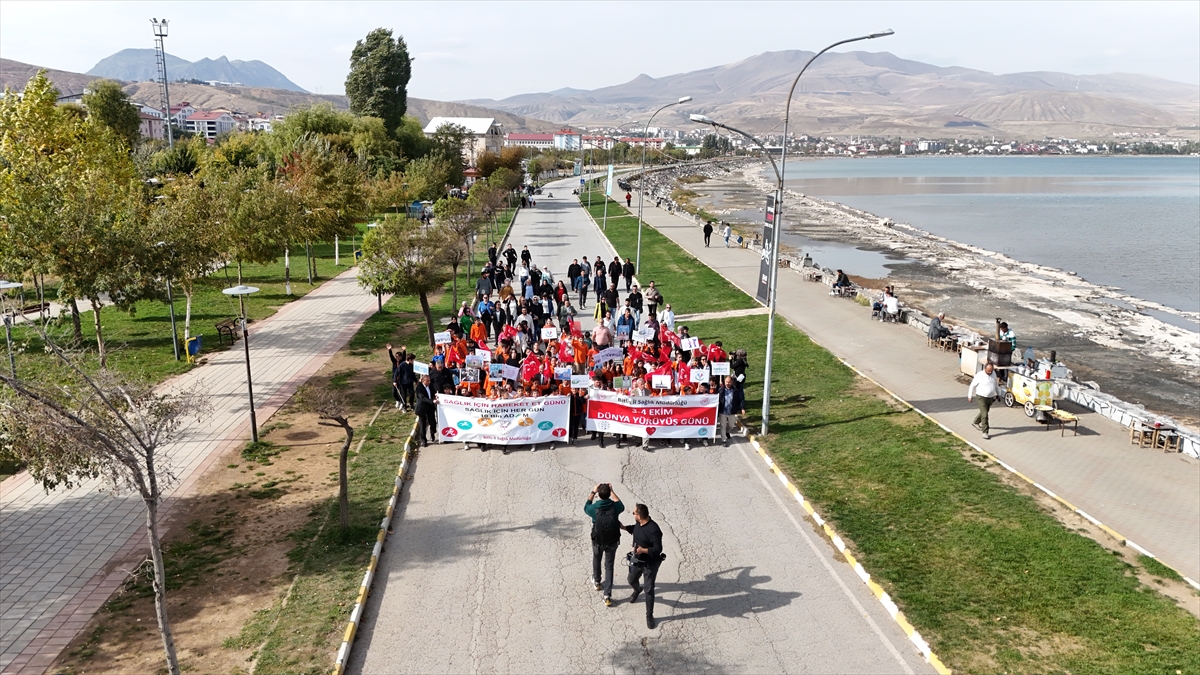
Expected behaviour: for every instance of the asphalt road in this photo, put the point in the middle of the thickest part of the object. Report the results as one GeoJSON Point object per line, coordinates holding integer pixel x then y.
{"type": "Point", "coordinates": [488, 569]}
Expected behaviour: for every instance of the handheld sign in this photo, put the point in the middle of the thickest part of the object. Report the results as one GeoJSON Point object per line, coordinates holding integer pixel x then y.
{"type": "Point", "coordinates": [580, 381]}
{"type": "Point", "coordinates": [623, 332]}
{"type": "Point", "coordinates": [473, 361]}
{"type": "Point", "coordinates": [610, 354]}
{"type": "Point", "coordinates": [562, 373]}
{"type": "Point", "coordinates": [549, 333]}
{"type": "Point", "coordinates": [660, 381]}
{"type": "Point", "coordinates": [646, 333]}
{"type": "Point", "coordinates": [420, 368]}
{"type": "Point", "coordinates": [496, 370]}
{"type": "Point", "coordinates": [623, 382]}
{"type": "Point", "coordinates": [699, 375]}
{"type": "Point", "coordinates": [719, 367]}
{"type": "Point", "coordinates": [484, 354]}
{"type": "Point", "coordinates": [688, 344]}
{"type": "Point", "coordinates": [639, 339]}
{"type": "Point", "coordinates": [470, 375]}
{"type": "Point", "coordinates": [510, 372]}
{"type": "Point", "coordinates": [442, 338]}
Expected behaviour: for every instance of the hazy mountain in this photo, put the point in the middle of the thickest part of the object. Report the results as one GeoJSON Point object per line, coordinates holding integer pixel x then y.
{"type": "Point", "coordinates": [14, 75]}
{"type": "Point", "coordinates": [866, 92]}
{"type": "Point", "coordinates": [137, 65]}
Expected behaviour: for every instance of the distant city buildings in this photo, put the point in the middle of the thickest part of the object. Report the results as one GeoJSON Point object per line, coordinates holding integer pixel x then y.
{"type": "Point", "coordinates": [485, 134]}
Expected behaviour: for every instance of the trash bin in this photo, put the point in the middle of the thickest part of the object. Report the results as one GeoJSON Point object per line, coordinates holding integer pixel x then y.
{"type": "Point", "coordinates": [193, 347]}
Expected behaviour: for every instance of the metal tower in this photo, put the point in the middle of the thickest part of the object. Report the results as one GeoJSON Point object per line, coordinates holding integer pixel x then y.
{"type": "Point", "coordinates": [160, 32]}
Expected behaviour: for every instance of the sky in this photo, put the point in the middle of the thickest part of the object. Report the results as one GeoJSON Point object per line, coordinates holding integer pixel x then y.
{"type": "Point", "coordinates": [470, 50]}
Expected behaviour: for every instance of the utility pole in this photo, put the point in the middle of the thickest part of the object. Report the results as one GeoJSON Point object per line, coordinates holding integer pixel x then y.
{"type": "Point", "coordinates": [160, 32]}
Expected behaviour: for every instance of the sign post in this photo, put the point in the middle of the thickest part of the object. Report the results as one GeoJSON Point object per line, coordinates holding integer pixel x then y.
{"type": "Point", "coordinates": [763, 294]}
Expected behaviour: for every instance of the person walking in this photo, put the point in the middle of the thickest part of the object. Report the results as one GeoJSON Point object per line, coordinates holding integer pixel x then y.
{"type": "Point", "coordinates": [708, 230]}
{"type": "Point", "coordinates": [584, 283]}
{"type": "Point", "coordinates": [653, 299]}
{"type": "Point", "coordinates": [606, 535]}
{"type": "Point", "coordinates": [614, 270]}
{"type": "Point", "coordinates": [645, 559]}
{"type": "Point", "coordinates": [627, 271]}
{"type": "Point", "coordinates": [984, 386]}
{"type": "Point", "coordinates": [628, 200]}
{"type": "Point", "coordinates": [398, 361]}
{"type": "Point", "coordinates": [727, 232]}
{"type": "Point", "coordinates": [510, 254]}
{"type": "Point", "coordinates": [730, 404]}
{"type": "Point", "coordinates": [426, 410]}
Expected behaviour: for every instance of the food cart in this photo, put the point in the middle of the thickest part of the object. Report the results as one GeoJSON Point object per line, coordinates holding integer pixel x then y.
{"type": "Point", "coordinates": [1033, 390]}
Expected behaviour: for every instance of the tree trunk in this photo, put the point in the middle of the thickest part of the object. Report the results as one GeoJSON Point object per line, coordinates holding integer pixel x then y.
{"type": "Point", "coordinates": [239, 272]}
{"type": "Point", "coordinates": [343, 478]}
{"type": "Point", "coordinates": [454, 286]}
{"type": "Point", "coordinates": [187, 315]}
{"type": "Point", "coordinates": [78, 329]}
{"type": "Point", "coordinates": [287, 270]}
{"type": "Point", "coordinates": [99, 335]}
{"type": "Point", "coordinates": [160, 589]}
{"type": "Point", "coordinates": [428, 315]}
{"type": "Point", "coordinates": [41, 289]}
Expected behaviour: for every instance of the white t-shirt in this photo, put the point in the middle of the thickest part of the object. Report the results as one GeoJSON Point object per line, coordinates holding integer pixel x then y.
{"type": "Point", "coordinates": [891, 304]}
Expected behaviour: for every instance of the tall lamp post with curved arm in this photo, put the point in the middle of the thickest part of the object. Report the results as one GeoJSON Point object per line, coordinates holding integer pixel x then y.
{"type": "Point", "coordinates": [778, 225]}
{"type": "Point", "coordinates": [637, 265]}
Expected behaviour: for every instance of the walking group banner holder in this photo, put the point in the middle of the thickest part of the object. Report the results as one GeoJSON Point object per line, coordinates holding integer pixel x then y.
{"type": "Point", "coordinates": [763, 293]}
{"type": "Point", "coordinates": [520, 421]}
{"type": "Point", "coordinates": [652, 416]}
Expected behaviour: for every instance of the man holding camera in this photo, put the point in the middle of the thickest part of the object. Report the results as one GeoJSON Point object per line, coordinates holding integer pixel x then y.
{"type": "Point", "coordinates": [606, 535]}
{"type": "Point", "coordinates": [647, 555]}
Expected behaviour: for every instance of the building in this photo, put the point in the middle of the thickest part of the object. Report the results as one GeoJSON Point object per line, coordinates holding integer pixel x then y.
{"type": "Point", "coordinates": [598, 142]}
{"type": "Point", "coordinates": [180, 113]}
{"type": "Point", "coordinates": [211, 124]}
{"type": "Point", "coordinates": [152, 126]}
{"type": "Point", "coordinates": [529, 140]}
{"type": "Point", "coordinates": [258, 124]}
{"type": "Point", "coordinates": [637, 142]}
{"type": "Point", "coordinates": [566, 139]}
{"type": "Point", "coordinates": [150, 110]}
{"type": "Point", "coordinates": [485, 134]}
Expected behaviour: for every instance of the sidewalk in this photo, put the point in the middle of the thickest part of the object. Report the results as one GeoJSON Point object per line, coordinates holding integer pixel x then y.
{"type": "Point", "coordinates": [60, 549]}
{"type": "Point", "coordinates": [1151, 497]}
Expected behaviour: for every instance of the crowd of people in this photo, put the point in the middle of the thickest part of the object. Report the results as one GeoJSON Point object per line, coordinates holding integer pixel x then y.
{"type": "Point", "coordinates": [532, 326]}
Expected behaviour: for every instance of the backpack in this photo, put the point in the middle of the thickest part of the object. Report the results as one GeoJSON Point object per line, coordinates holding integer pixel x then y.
{"type": "Point", "coordinates": [606, 529]}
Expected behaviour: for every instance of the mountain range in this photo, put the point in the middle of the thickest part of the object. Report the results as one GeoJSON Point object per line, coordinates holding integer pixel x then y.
{"type": "Point", "coordinates": [268, 101]}
{"type": "Point", "coordinates": [140, 65]}
{"type": "Point", "coordinates": [882, 94]}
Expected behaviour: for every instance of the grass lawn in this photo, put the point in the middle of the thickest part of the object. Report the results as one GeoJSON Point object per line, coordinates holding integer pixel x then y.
{"type": "Point", "coordinates": [993, 581]}
{"type": "Point", "coordinates": [683, 280]}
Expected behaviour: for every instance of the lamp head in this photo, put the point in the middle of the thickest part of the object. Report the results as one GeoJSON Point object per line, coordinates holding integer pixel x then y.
{"type": "Point", "coordinates": [684, 99]}
{"type": "Point", "coordinates": [5, 285]}
{"type": "Point", "coordinates": [160, 27]}
{"type": "Point", "coordinates": [702, 119]}
{"type": "Point", "coordinates": [881, 34]}
{"type": "Point", "coordinates": [240, 290]}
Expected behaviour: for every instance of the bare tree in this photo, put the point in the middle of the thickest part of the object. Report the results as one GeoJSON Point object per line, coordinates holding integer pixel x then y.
{"type": "Point", "coordinates": [70, 426]}
{"type": "Point", "coordinates": [330, 404]}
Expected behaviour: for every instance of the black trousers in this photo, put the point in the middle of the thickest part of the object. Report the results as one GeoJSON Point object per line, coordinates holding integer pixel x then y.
{"type": "Point", "coordinates": [646, 574]}
{"type": "Point", "coordinates": [427, 427]}
{"type": "Point", "coordinates": [628, 282]}
{"type": "Point", "coordinates": [404, 394]}
{"type": "Point", "coordinates": [609, 554]}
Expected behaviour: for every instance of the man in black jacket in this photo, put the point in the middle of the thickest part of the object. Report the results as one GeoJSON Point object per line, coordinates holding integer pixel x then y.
{"type": "Point", "coordinates": [627, 271]}
{"type": "Point", "coordinates": [510, 254]}
{"type": "Point", "coordinates": [398, 361]}
{"type": "Point", "coordinates": [647, 556]}
{"type": "Point", "coordinates": [426, 411]}
{"type": "Point", "coordinates": [614, 270]}
{"type": "Point", "coordinates": [573, 272]}
{"type": "Point", "coordinates": [708, 230]}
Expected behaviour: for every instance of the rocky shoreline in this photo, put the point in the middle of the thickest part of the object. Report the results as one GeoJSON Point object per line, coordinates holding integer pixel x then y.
{"type": "Point", "coordinates": [1099, 331]}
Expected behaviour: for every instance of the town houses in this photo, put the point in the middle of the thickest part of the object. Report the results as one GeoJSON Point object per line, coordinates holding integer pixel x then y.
{"type": "Point", "coordinates": [208, 124]}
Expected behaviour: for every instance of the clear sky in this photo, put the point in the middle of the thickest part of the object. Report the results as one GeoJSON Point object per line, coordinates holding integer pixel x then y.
{"type": "Point", "coordinates": [496, 49]}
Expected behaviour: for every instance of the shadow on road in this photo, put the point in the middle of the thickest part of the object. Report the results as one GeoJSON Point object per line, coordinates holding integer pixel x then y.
{"type": "Point", "coordinates": [731, 593]}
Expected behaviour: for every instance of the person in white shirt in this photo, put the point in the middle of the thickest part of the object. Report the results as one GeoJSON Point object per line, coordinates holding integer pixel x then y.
{"type": "Point", "coordinates": [984, 386]}
{"type": "Point", "coordinates": [668, 317]}
{"type": "Point", "coordinates": [891, 305]}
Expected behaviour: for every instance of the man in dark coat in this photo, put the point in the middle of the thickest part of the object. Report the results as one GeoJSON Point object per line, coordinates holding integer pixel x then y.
{"type": "Point", "coordinates": [426, 409]}
{"type": "Point", "coordinates": [627, 271]}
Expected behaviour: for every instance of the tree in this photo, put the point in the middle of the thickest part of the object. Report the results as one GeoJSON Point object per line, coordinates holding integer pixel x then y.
{"type": "Point", "coordinates": [449, 141]}
{"type": "Point", "coordinates": [107, 104]}
{"type": "Point", "coordinates": [330, 404]}
{"type": "Point", "coordinates": [183, 222]}
{"type": "Point", "coordinates": [404, 257]}
{"type": "Point", "coordinates": [73, 426]}
{"type": "Point", "coordinates": [427, 177]}
{"type": "Point", "coordinates": [506, 178]}
{"type": "Point", "coordinates": [377, 85]}
{"type": "Point", "coordinates": [253, 213]}
{"type": "Point", "coordinates": [459, 219]}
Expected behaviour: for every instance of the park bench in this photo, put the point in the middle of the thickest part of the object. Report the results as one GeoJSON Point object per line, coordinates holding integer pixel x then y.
{"type": "Point", "coordinates": [35, 308]}
{"type": "Point", "coordinates": [228, 326]}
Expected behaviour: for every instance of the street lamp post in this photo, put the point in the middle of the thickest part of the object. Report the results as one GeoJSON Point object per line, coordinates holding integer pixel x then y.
{"type": "Point", "coordinates": [637, 265]}
{"type": "Point", "coordinates": [160, 33]}
{"type": "Point", "coordinates": [778, 225]}
{"type": "Point", "coordinates": [8, 321]}
{"type": "Point", "coordinates": [241, 292]}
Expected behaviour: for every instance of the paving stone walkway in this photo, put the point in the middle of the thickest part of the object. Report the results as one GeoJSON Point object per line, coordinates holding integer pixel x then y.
{"type": "Point", "coordinates": [61, 550]}
{"type": "Point", "coordinates": [1148, 496]}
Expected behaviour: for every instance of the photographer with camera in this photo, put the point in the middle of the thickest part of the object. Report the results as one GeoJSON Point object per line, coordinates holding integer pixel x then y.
{"type": "Point", "coordinates": [606, 535]}
{"type": "Point", "coordinates": [645, 558]}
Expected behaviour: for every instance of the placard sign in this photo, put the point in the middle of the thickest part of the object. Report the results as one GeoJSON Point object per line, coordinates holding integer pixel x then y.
{"type": "Point", "coordinates": [484, 354]}
{"type": "Point", "coordinates": [470, 375]}
{"type": "Point", "coordinates": [719, 367]}
{"type": "Point", "coordinates": [646, 333]}
{"type": "Point", "coordinates": [699, 375]}
{"type": "Point", "coordinates": [610, 354]}
{"type": "Point", "coordinates": [496, 371]}
{"type": "Point", "coordinates": [442, 338]}
{"type": "Point", "coordinates": [504, 421]}
{"type": "Point", "coordinates": [510, 372]}
{"type": "Point", "coordinates": [473, 361]}
{"type": "Point", "coordinates": [623, 331]}
{"type": "Point", "coordinates": [581, 381]}
{"type": "Point", "coordinates": [562, 373]}
{"type": "Point", "coordinates": [653, 416]}
{"type": "Point", "coordinates": [639, 339]}
{"type": "Point", "coordinates": [660, 381]}
{"type": "Point", "coordinates": [688, 344]}
{"type": "Point", "coordinates": [549, 333]}
{"type": "Point", "coordinates": [420, 368]}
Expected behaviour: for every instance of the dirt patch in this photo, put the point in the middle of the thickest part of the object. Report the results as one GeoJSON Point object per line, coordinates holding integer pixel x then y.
{"type": "Point", "coordinates": [236, 535]}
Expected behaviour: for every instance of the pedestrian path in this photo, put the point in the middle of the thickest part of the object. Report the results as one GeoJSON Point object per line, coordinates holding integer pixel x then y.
{"type": "Point", "coordinates": [1148, 496]}
{"type": "Point", "coordinates": [490, 558]}
{"type": "Point", "coordinates": [60, 549]}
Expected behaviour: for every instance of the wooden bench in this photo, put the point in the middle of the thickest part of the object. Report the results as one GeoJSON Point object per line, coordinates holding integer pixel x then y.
{"type": "Point", "coordinates": [1063, 418]}
{"type": "Point", "coordinates": [228, 326]}
{"type": "Point", "coordinates": [35, 308]}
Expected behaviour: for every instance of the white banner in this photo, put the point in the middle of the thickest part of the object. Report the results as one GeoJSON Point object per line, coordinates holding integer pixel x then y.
{"type": "Point", "coordinates": [653, 416]}
{"type": "Point", "coordinates": [503, 422]}
{"type": "Point", "coordinates": [609, 184]}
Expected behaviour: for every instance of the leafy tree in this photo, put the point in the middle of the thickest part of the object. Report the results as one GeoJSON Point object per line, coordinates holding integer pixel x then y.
{"type": "Point", "coordinates": [512, 158]}
{"type": "Point", "coordinates": [182, 159]}
{"type": "Point", "coordinates": [506, 178]}
{"type": "Point", "coordinates": [459, 219]}
{"type": "Point", "coordinates": [331, 404]}
{"type": "Point", "coordinates": [107, 104]}
{"type": "Point", "coordinates": [390, 194]}
{"type": "Point", "coordinates": [183, 222]}
{"type": "Point", "coordinates": [427, 177]}
{"type": "Point", "coordinates": [449, 142]}
{"type": "Point", "coordinates": [253, 213]}
{"type": "Point", "coordinates": [72, 426]}
{"type": "Point", "coordinates": [377, 85]}
{"type": "Point", "coordinates": [405, 257]}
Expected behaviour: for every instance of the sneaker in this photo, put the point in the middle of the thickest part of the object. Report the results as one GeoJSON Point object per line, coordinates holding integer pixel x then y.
{"type": "Point", "coordinates": [726, 443]}
{"type": "Point", "coordinates": [650, 622]}
{"type": "Point", "coordinates": [976, 425]}
{"type": "Point", "coordinates": [607, 601]}
{"type": "Point", "coordinates": [633, 598]}
{"type": "Point", "coordinates": [533, 448]}
{"type": "Point", "coordinates": [985, 436]}
{"type": "Point", "coordinates": [397, 405]}
{"type": "Point", "coordinates": [687, 446]}
{"type": "Point", "coordinates": [596, 584]}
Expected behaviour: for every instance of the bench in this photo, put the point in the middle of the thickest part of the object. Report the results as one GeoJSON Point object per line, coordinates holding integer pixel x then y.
{"type": "Point", "coordinates": [1063, 418]}
{"type": "Point", "coordinates": [228, 326]}
{"type": "Point", "coordinates": [37, 307]}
